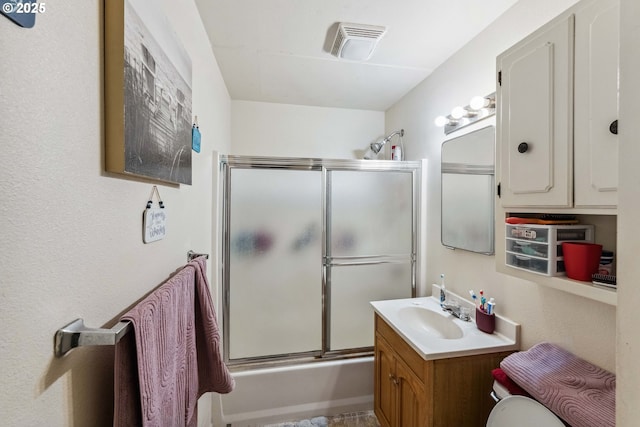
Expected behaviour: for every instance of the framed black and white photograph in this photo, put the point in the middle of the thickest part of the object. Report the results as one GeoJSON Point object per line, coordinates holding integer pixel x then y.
{"type": "Point", "coordinates": [147, 93]}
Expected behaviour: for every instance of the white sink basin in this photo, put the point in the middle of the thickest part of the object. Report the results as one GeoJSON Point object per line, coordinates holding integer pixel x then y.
{"type": "Point", "coordinates": [430, 322]}
{"type": "Point", "coordinates": [436, 334]}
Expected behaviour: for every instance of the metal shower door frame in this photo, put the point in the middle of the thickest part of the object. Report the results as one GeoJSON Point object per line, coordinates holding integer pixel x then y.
{"type": "Point", "coordinates": [325, 166]}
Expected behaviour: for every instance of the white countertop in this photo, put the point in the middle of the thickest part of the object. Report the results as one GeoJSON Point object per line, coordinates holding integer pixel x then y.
{"type": "Point", "coordinates": [473, 341]}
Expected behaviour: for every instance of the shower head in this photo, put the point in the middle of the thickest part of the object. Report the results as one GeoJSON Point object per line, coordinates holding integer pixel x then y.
{"type": "Point", "coordinates": [375, 147]}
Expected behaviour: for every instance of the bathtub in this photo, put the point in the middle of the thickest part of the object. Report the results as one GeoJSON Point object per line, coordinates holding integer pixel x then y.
{"type": "Point", "coordinates": [276, 394]}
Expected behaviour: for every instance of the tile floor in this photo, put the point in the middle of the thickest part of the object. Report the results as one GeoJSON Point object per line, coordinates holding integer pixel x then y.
{"type": "Point", "coordinates": [353, 419]}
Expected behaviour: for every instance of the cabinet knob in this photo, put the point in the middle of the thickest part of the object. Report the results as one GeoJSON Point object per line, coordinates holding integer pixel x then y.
{"type": "Point", "coordinates": [523, 147]}
{"type": "Point", "coordinates": [613, 127]}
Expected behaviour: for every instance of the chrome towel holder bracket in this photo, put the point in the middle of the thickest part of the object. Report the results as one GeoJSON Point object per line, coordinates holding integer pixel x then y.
{"type": "Point", "coordinates": [191, 255]}
{"type": "Point", "coordinates": [76, 334]}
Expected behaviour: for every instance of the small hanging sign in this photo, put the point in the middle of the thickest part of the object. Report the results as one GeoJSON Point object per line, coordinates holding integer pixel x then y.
{"type": "Point", "coordinates": [195, 136]}
{"type": "Point", "coordinates": [154, 220]}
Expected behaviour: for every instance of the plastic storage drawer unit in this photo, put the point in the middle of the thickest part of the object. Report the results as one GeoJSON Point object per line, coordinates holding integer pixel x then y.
{"type": "Point", "coordinates": [538, 248]}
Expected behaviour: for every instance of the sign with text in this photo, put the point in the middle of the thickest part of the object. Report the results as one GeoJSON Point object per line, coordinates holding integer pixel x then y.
{"type": "Point", "coordinates": [154, 224]}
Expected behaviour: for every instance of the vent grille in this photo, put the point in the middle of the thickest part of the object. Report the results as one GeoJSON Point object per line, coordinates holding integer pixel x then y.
{"type": "Point", "coordinates": [337, 42]}
{"type": "Point", "coordinates": [365, 32]}
{"type": "Point", "coordinates": [346, 31]}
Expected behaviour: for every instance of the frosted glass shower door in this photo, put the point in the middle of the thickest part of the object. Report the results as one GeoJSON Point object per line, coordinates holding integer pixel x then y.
{"type": "Point", "coordinates": [275, 253]}
{"type": "Point", "coordinates": [370, 250]}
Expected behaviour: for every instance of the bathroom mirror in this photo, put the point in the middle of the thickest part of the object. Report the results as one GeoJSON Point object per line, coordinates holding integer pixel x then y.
{"type": "Point", "coordinates": [468, 191]}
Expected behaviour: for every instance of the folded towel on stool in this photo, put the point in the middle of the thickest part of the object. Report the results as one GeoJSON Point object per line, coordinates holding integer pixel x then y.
{"type": "Point", "coordinates": [579, 392]}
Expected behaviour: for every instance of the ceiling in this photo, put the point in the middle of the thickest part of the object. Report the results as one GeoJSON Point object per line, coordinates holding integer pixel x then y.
{"type": "Point", "coordinates": [278, 50]}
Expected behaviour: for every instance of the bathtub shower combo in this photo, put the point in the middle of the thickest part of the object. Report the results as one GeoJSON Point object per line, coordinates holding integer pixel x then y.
{"type": "Point", "coordinates": [307, 244]}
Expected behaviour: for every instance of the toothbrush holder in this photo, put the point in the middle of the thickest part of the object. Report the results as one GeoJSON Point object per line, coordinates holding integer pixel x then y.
{"type": "Point", "coordinates": [485, 322]}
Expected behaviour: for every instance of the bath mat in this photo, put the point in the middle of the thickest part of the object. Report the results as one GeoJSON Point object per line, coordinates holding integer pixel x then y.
{"type": "Point", "coordinates": [350, 419]}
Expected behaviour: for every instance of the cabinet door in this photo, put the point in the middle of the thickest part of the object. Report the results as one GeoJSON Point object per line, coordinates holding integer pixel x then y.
{"type": "Point", "coordinates": [412, 404]}
{"type": "Point", "coordinates": [384, 378]}
{"type": "Point", "coordinates": [534, 113]}
{"type": "Point", "coordinates": [596, 104]}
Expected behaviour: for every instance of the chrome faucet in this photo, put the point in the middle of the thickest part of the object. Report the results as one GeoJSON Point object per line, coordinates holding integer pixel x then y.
{"type": "Point", "coordinates": [455, 309]}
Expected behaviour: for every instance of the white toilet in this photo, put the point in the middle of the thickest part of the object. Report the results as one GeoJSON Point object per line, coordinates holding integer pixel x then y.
{"type": "Point", "coordinates": [522, 412]}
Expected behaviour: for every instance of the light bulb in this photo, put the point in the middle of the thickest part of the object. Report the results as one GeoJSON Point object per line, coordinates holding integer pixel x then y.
{"type": "Point", "coordinates": [478, 102]}
{"type": "Point", "coordinates": [441, 121]}
{"type": "Point", "coordinates": [458, 112]}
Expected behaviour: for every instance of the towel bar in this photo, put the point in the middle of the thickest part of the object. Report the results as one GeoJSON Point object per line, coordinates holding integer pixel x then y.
{"type": "Point", "coordinates": [76, 334]}
{"type": "Point", "coordinates": [191, 255]}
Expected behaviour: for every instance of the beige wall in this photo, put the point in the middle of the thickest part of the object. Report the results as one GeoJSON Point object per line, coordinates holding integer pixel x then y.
{"type": "Point", "coordinates": [583, 326]}
{"type": "Point", "coordinates": [265, 129]}
{"type": "Point", "coordinates": [628, 338]}
{"type": "Point", "coordinates": [71, 234]}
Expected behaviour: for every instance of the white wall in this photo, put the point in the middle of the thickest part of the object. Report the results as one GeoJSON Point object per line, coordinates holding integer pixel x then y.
{"type": "Point", "coordinates": [628, 338]}
{"type": "Point", "coordinates": [583, 326]}
{"type": "Point", "coordinates": [71, 234]}
{"type": "Point", "coordinates": [265, 129]}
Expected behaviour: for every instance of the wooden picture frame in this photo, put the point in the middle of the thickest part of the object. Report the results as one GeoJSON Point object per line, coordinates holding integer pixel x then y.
{"type": "Point", "coordinates": [147, 94]}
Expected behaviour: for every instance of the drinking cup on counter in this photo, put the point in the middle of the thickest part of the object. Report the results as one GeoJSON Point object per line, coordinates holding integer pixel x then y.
{"type": "Point", "coordinates": [581, 259]}
{"type": "Point", "coordinates": [485, 322]}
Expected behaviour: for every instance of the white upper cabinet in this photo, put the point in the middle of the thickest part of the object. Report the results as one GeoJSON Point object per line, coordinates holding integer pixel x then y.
{"type": "Point", "coordinates": [535, 100]}
{"type": "Point", "coordinates": [555, 149]}
{"type": "Point", "coordinates": [596, 105]}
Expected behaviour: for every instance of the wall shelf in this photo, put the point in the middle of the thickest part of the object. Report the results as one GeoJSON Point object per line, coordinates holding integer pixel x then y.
{"type": "Point", "coordinates": [584, 289]}
{"type": "Point", "coordinates": [564, 284]}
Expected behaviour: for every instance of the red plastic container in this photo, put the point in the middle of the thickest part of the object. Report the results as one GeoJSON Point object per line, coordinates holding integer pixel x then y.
{"type": "Point", "coordinates": [581, 259]}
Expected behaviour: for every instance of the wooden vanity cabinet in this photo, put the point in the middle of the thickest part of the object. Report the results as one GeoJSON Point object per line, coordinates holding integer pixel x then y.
{"type": "Point", "coordinates": [400, 392]}
{"type": "Point", "coordinates": [413, 392]}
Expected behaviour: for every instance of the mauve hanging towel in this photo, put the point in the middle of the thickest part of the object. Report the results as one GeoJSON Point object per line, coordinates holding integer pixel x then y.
{"type": "Point", "coordinates": [172, 356]}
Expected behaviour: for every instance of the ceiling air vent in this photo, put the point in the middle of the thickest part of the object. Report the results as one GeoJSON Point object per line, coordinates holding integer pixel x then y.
{"type": "Point", "coordinates": [356, 42]}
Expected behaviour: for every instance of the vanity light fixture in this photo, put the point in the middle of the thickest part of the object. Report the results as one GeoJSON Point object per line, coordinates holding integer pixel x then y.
{"type": "Point", "coordinates": [440, 121]}
{"type": "Point", "coordinates": [458, 113]}
{"type": "Point", "coordinates": [480, 102]}
{"type": "Point", "coordinates": [461, 112]}
{"type": "Point", "coordinates": [479, 108]}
